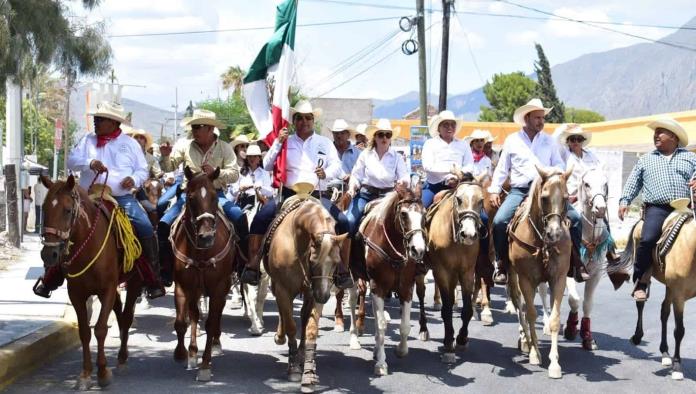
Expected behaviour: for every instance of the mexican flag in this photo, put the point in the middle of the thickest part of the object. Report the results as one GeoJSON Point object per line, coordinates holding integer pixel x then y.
{"type": "Point", "coordinates": [277, 57]}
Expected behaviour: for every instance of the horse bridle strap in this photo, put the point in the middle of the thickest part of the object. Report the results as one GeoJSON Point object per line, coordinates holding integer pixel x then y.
{"type": "Point", "coordinates": [202, 263]}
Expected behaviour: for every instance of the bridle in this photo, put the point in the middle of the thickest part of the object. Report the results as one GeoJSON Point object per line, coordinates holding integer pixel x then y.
{"type": "Point", "coordinates": [407, 235]}
{"type": "Point", "coordinates": [459, 215]}
{"type": "Point", "coordinates": [547, 217]}
{"type": "Point", "coordinates": [194, 222]}
{"type": "Point", "coordinates": [306, 257]}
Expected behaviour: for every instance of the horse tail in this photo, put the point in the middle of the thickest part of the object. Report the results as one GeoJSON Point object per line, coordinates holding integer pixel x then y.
{"type": "Point", "coordinates": [625, 263]}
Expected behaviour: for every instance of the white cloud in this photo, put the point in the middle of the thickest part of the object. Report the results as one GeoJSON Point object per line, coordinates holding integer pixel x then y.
{"type": "Point", "coordinates": [526, 37]}
{"type": "Point", "coordinates": [565, 28]}
{"type": "Point", "coordinates": [131, 25]}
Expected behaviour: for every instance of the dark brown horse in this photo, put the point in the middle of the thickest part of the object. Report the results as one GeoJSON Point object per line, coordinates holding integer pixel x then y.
{"type": "Point", "coordinates": [204, 248]}
{"type": "Point", "coordinates": [392, 245]}
{"type": "Point", "coordinates": [81, 238]}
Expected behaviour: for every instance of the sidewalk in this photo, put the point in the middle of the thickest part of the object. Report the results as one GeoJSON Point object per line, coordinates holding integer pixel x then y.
{"type": "Point", "coordinates": [32, 329]}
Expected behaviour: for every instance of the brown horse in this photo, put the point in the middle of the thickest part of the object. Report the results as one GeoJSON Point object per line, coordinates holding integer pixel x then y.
{"type": "Point", "coordinates": [204, 248]}
{"type": "Point", "coordinates": [303, 253]}
{"type": "Point", "coordinates": [540, 252]}
{"type": "Point", "coordinates": [75, 230]}
{"type": "Point", "coordinates": [153, 190]}
{"type": "Point", "coordinates": [679, 277]}
{"type": "Point", "coordinates": [453, 247]}
{"type": "Point", "coordinates": [392, 245]}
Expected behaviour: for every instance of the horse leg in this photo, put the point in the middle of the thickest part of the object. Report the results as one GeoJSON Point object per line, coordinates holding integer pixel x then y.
{"type": "Point", "coordinates": [571, 328]}
{"type": "Point", "coordinates": [404, 328]}
{"type": "Point", "coordinates": [510, 306]}
{"type": "Point", "coordinates": [424, 335]}
{"type": "Point", "coordinates": [134, 290]}
{"type": "Point", "coordinates": [362, 298]}
{"type": "Point", "coordinates": [638, 335]}
{"type": "Point", "coordinates": [212, 328]}
{"type": "Point", "coordinates": [588, 343]}
{"type": "Point", "coordinates": [678, 305]}
{"type": "Point", "coordinates": [518, 305]}
{"type": "Point", "coordinates": [485, 294]}
{"type": "Point", "coordinates": [339, 325]}
{"type": "Point", "coordinates": [305, 313]}
{"type": "Point", "coordinates": [664, 316]}
{"type": "Point", "coordinates": [380, 357]}
{"type": "Point", "coordinates": [311, 331]}
{"type": "Point", "coordinates": [180, 324]}
{"type": "Point", "coordinates": [193, 298]}
{"type": "Point", "coordinates": [557, 290]}
{"type": "Point", "coordinates": [107, 299]}
{"type": "Point", "coordinates": [286, 325]}
{"type": "Point", "coordinates": [261, 298]}
{"type": "Point", "coordinates": [352, 301]}
{"type": "Point", "coordinates": [529, 292]}
{"type": "Point", "coordinates": [437, 299]}
{"type": "Point", "coordinates": [448, 355]}
{"type": "Point", "coordinates": [467, 282]}
{"type": "Point", "coordinates": [543, 295]}
{"type": "Point", "coordinates": [84, 381]}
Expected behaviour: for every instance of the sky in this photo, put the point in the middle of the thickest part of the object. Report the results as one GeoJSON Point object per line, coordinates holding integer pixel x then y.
{"type": "Point", "coordinates": [480, 45]}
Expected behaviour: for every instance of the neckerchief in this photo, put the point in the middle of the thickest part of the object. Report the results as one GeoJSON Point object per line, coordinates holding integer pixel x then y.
{"type": "Point", "coordinates": [478, 155]}
{"type": "Point", "coordinates": [102, 140]}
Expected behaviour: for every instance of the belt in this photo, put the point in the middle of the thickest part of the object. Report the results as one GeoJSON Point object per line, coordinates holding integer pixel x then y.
{"type": "Point", "coordinates": [376, 190]}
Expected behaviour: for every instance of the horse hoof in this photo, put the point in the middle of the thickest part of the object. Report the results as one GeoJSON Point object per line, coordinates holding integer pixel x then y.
{"type": "Point", "coordinates": [339, 328]}
{"type": "Point", "coordinates": [381, 370]}
{"type": "Point", "coordinates": [487, 318]}
{"type": "Point", "coordinates": [589, 344]}
{"type": "Point", "coordinates": [401, 353]}
{"type": "Point", "coordinates": [216, 350]}
{"type": "Point", "coordinates": [448, 358]}
{"type": "Point", "coordinates": [307, 388]}
{"type": "Point", "coordinates": [387, 317]}
{"type": "Point", "coordinates": [279, 340]}
{"type": "Point", "coordinates": [204, 375]}
{"type": "Point", "coordinates": [105, 380]}
{"type": "Point", "coordinates": [462, 343]}
{"type": "Point", "coordinates": [83, 384]}
{"type": "Point", "coordinates": [424, 336]}
{"type": "Point", "coordinates": [677, 375]}
{"type": "Point", "coordinates": [294, 376]}
{"type": "Point", "coordinates": [354, 343]}
{"type": "Point", "coordinates": [570, 332]}
{"type": "Point", "coordinates": [555, 371]}
{"type": "Point", "coordinates": [635, 340]}
{"type": "Point", "coordinates": [121, 367]}
{"type": "Point", "coordinates": [534, 359]}
{"type": "Point", "coordinates": [437, 306]}
{"type": "Point", "coordinates": [522, 346]}
{"type": "Point", "coordinates": [255, 331]}
{"type": "Point", "coordinates": [192, 363]}
{"type": "Point", "coordinates": [510, 308]}
{"type": "Point", "coordinates": [666, 361]}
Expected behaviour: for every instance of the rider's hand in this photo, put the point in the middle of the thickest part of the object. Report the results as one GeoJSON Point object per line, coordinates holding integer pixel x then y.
{"type": "Point", "coordinates": [346, 178]}
{"type": "Point", "coordinates": [321, 174]}
{"type": "Point", "coordinates": [127, 183]}
{"type": "Point", "coordinates": [165, 149]}
{"type": "Point", "coordinates": [572, 199]}
{"type": "Point", "coordinates": [283, 134]}
{"type": "Point", "coordinates": [97, 166]}
{"type": "Point", "coordinates": [451, 182]}
{"type": "Point", "coordinates": [622, 211]}
{"type": "Point", "coordinates": [169, 181]}
{"type": "Point", "coordinates": [207, 168]}
{"type": "Point", "coordinates": [494, 199]}
{"type": "Point", "coordinates": [360, 145]}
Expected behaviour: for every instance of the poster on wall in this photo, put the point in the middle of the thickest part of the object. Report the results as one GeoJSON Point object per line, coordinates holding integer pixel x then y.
{"type": "Point", "coordinates": [419, 134]}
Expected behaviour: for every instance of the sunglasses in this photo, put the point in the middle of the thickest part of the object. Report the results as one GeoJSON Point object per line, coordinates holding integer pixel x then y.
{"type": "Point", "coordinates": [305, 117]}
{"type": "Point", "coordinates": [383, 135]}
{"type": "Point", "coordinates": [197, 126]}
{"type": "Point", "coordinates": [576, 139]}
{"type": "Point", "coordinates": [98, 119]}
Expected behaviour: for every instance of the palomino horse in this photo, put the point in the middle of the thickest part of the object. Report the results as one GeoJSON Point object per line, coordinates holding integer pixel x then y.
{"type": "Point", "coordinates": [80, 237]}
{"type": "Point", "coordinates": [303, 253]}
{"type": "Point", "coordinates": [540, 248]}
{"type": "Point", "coordinates": [392, 244]}
{"type": "Point", "coordinates": [453, 248]}
{"type": "Point", "coordinates": [204, 254]}
{"type": "Point", "coordinates": [679, 277]}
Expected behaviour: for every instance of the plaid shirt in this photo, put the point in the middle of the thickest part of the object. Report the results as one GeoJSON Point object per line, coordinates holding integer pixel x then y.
{"type": "Point", "coordinates": [661, 180]}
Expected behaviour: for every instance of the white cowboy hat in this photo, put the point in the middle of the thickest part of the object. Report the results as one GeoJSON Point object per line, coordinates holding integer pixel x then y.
{"type": "Point", "coordinates": [341, 125]}
{"type": "Point", "coordinates": [567, 129]}
{"type": "Point", "coordinates": [304, 107]}
{"type": "Point", "coordinates": [381, 125]}
{"type": "Point", "coordinates": [133, 132]}
{"type": "Point", "coordinates": [110, 110]}
{"type": "Point", "coordinates": [534, 104]}
{"type": "Point", "coordinates": [204, 117]}
{"type": "Point", "coordinates": [441, 117]}
{"type": "Point", "coordinates": [253, 150]}
{"type": "Point", "coordinates": [479, 134]}
{"type": "Point", "coordinates": [673, 126]}
{"type": "Point", "coordinates": [240, 139]}
{"type": "Point", "coordinates": [360, 129]}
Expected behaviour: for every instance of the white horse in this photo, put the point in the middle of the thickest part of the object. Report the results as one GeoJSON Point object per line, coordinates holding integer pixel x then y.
{"type": "Point", "coordinates": [255, 296]}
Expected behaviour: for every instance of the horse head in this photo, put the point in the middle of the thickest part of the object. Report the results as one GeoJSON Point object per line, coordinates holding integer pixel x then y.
{"type": "Point", "coordinates": [60, 211]}
{"type": "Point", "coordinates": [153, 190]}
{"type": "Point", "coordinates": [593, 191]}
{"type": "Point", "coordinates": [202, 205]}
{"type": "Point", "coordinates": [324, 257]}
{"type": "Point", "coordinates": [409, 219]}
{"type": "Point", "coordinates": [551, 196]}
{"type": "Point", "coordinates": [467, 202]}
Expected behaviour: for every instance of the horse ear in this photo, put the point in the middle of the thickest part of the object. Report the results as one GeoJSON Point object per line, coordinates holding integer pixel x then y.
{"type": "Point", "coordinates": [481, 178]}
{"type": "Point", "coordinates": [46, 181]}
{"type": "Point", "coordinates": [568, 172]}
{"type": "Point", "coordinates": [188, 173]}
{"type": "Point", "coordinates": [340, 238]}
{"type": "Point", "coordinates": [70, 184]}
{"type": "Point", "coordinates": [215, 174]}
{"type": "Point", "coordinates": [543, 173]}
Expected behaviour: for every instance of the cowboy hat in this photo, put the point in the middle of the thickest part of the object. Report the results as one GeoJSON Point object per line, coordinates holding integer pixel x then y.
{"type": "Point", "coordinates": [360, 129]}
{"type": "Point", "coordinates": [110, 110]}
{"type": "Point", "coordinates": [240, 139]}
{"type": "Point", "coordinates": [441, 117]}
{"type": "Point", "coordinates": [302, 188]}
{"type": "Point", "coordinates": [253, 150]}
{"type": "Point", "coordinates": [132, 132]}
{"type": "Point", "coordinates": [568, 129]}
{"type": "Point", "coordinates": [381, 125]}
{"type": "Point", "coordinates": [673, 126]}
{"type": "Point", "coordinates": [534, 104]}
{"type": "Point", "coordinates": [479, 134]}
{"type": "Point", "coordinates": [304, 107]}
{"type": "Point", "coordinates": [341, 125]}
{"type": "Point", "coordinates": [204, 117]}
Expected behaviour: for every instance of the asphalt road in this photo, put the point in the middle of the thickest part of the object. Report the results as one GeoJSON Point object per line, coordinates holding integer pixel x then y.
{"type": "Point", "coordinates": [490, 363]}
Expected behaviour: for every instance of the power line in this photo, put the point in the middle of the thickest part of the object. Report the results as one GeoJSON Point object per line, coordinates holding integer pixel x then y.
{"type": "Point", "coordinates": [471, 51]}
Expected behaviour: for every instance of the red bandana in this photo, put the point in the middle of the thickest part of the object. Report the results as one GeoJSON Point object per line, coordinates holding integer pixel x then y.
{"type": "Point", "coordinates": [102, 140]}
{"type": "Point", "coordinates": [478, 155]}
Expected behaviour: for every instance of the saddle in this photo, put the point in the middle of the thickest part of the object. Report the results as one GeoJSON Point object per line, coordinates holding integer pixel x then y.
{"type": "Point", "coordinates": [289, 205]}
{"type": "Point", "coordinates": [437, 202]}
{"type": "Point", "coordinates": [671, 228]}
{"type": "Point", "coordinates": [368, 210]}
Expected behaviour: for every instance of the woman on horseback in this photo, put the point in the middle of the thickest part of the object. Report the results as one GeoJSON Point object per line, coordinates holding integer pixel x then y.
{"type": "Point", "coordinates": [253, 180]}
{"type": "Point", "coordinates": [477, 141]}
{"type": "Point", "coordinates": [379, 170]}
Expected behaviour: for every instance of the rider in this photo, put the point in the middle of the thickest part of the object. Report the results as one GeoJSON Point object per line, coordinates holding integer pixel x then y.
{"type": "Point", "coordinates": [239, 145]}
{"type": "Point", "coordinates": [203, 153]}
{"type": "Point", "coordinates": [109, 149]}
{"type": "Point", "coordinates": [482, 163]}
{"type": "Point", "coordinates": [153, 168]}
{"type": "Point", "coordinates": [346, 150]}
{"type": "Point", "coordinates": [378, 170]}
{"type": "Point", "coordinates": [253, 179]}
{"type": "Point", "coordinates": [663, 175]}
{"type": "Point", "coordinates": [311, 158]}
{"type": "Point", "coordinates": [360, 136]}
{"type": "Point", "coordinates": [522, 151]}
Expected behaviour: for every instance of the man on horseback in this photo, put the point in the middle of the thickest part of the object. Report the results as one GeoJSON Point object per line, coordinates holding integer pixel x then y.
{"type": "Point", "coordinates": [663, 175]}
{"type": "Point", "coordinates": [311, 158]}
{"type": "Point", "coordinates": [347, 152]}
{"type": "Point", "coordinates": [108, 149]}
{"type": "Point", "coordinates": [522, 151]}
{"type": "Point", "coordinates": [205, 152]}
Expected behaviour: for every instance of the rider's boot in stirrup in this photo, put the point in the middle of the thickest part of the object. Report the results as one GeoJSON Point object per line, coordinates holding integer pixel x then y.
{"type": "Point", "coordinates": [251, 272]}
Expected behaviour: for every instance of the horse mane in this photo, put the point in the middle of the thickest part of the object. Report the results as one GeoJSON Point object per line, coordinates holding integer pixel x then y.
{"type": "Point", "coordinates": [534, 190]}
{"type": "Point", "coordinates": [318, 218]}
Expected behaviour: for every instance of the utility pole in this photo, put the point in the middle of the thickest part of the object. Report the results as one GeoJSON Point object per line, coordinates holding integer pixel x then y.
{"type": "Point", "coordinates": [422, 87]}
{"type": "Point", "coordinates": [446, 6]}
{"type": "Point", "coordinates": [13, 161]}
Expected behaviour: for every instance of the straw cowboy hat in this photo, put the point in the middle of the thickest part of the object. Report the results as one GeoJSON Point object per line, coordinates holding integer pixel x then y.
{"type": "Point", "coordinates": [135, 132]}
{"type": "Point", "coordinates": [381, 125]}
{"type": "Point", "coordinates": [240, 139]}
{"type": "Point", "coordinates": [204, 117]}
{"type": "Point", "coordinates": [110, 110]}
{"type": "Point", "coordinates": [360, 129]}
{"type": "Point", "coordinates": [568, 129]}
{"type": "Point", "coordinates": [534, 104]}
{"type": "Point", "coordinates": [441, 117]}
{"type": "Point", "coordinates": [479, 134]}
{"type": "Point", "coordinates": [253, 150]}
{"type": "Point", "coordinates": [341, 125]}
{"type": "Point", "coordinates": [304, 107]}
{"type": "Point", "coordinates": [673, 126]}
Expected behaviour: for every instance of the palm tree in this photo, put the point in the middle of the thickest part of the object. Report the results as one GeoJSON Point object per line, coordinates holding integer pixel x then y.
{"type": "Point", "coordinates": [233, 79]}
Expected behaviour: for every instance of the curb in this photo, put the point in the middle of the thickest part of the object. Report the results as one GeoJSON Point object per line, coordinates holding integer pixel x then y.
{"type": "Point", "coordinates": [30, 352]}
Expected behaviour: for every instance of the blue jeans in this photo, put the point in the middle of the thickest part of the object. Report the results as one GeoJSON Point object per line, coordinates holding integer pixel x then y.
{"type": "Point", "coordinates": [168, 194]}
{"type": "Point", "coordinates": [429, 192]}
{"type": "Point", "coordinates": [507, 211]}
{"type": "Point", "coordinates": [263, 218]}
{"type": "Point", "coordinates": [137, 215]}
{"type": "Point", "coordinates": [654, 216]}
{"type": "Point", "coordinates": [357, 209]}
{"type": "Point", "coordinates": [233, 213]}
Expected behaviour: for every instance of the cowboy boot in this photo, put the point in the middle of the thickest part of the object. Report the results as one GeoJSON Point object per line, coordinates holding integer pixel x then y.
{"type": "Point", "coordinates": [251, 272]}
{"type": "Point", "coordinates": [500, 275]}
{"type": "Point", "coordinates": [612, 256]}
{"type": "Point", "coordinates": [51, 280]}
{"type": "Point", "coordinates": [342, 278]}
{"type": "Point", "coordinates": [640, 286]}
{"type": "Point", "coordinates": [149, 246]}
{"type": "Point", "coordinates": [581, 274]}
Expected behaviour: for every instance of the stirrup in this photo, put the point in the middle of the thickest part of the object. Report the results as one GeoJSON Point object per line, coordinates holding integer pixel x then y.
{"type": "Point", "coordinates": [155, 292]}
{"type": "Point", "coordinates": [40, 289]}
{"type": "Point", "coordinates": [250, 276]}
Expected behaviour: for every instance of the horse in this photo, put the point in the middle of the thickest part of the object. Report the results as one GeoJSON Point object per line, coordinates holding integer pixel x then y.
{"type": "Point", "coordinates": [540, 249]}
{"type": "Point", "coordinates": [78, 236]}
{"type": "Point", "coordinates": [678, 274]}
{"type": "Point", "coordinates": [204, 245]}
{"type": "Point", "coordinates": [453, 248]}
{"type": "Point", "coordinates": [152, 189]}
{"type": "Point", "coordinates": [303, 253]}
{"type": "Point", "coordinates": [390, 246]}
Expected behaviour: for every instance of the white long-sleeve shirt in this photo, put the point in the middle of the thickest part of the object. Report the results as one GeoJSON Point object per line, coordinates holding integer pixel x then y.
{"type": "Point", "coordinates": [579, 165]}
{"type": "Point", "coordinates": [519, 157]}
{"type": "Point", "coordinates": [122, 156]}
{"type": "Point", "coordinates": [483, 166]}
{"type": "Point", "coordinates": [438, 157]}
{"type": "Point", "coordinates": [303, 157]}
{"type": "Point", "coordinates": [382, 173]}
{"type": "Point", "coordinates": [258, 178]}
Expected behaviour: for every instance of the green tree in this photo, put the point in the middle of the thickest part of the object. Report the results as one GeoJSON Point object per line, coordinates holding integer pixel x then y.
{"type": "Point", "coordinates": [233, 112]}
{"type": "Point", "coordinates": [233, 79]}
{"type": "Point", "coordinates": [546, 91]}
{"type": "Point", "coordinates": [505, 93]}
{"type": "Point", "coordinates": [579, 115]}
